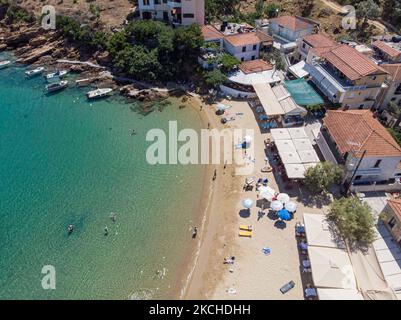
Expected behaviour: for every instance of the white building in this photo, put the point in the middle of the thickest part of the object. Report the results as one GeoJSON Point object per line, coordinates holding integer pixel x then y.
{"type": "Point", "coordinates": [392, 91]}
{"type": "Point", "coordinates": [370, 154]}
{"type": "Point", "coordinates": [179, 12]}
{"type": "Point", "coordinates": [289, 29]}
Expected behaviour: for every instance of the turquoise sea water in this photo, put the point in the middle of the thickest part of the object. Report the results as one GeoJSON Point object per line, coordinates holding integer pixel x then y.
{"type": "Point", "coordinates": [66, 161]}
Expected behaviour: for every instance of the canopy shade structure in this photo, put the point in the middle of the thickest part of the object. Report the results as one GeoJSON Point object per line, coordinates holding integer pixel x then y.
{"type": "Point", "coordinates": [298, 69]}
{"type": "Point", "coordinates": [338, 294]}
{"type": "Point", "coordinates": [295, 171]}
{"type": "Point", "coordinates": [285, 146]}
{"type": "Point", "coordinates": [302, 144]}
{"type": "Point", "coordinates": [298, 133]}
{"type": "Point", "coordinates": [276, 205]}
{"type": "Point", "coordinates": [268, 100]}
{"type": "Point", "coordinates": [280, 134]}
{"type": "Point", "coordinates": [283, 198]}
{"type": "Point", "coordinates": [264, 77]}
{"type": "Point", "coordinates": [287, 102]}
{"type": "Point", "coordinates": [284, 214]}
{"type": "Point", "coordinates": [302, 92]}
{"type": "Point", "coordinates": [320, 232]}
{"type": "Point", "coordinates": [290, 158]}
{"type": "Point", "coordinates": [267, 192]}
{"type": "Point", "coordinates": [331, 268]}
{"type": "Point", "coordinates": [247, 203]}
{"type": "Point", "coordinates": [291, 206]}
{"type": "Point", "coordinates": [308, 156]}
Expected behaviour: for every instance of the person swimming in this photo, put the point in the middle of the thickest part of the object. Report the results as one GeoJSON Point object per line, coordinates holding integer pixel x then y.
{"type": "Point", "coordinates": [106, 231]}
{"type": "Point", "coordinates": [70, 229]}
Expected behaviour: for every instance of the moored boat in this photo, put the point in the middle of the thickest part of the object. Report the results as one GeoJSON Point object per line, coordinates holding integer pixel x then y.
{"type": "Point", "coordinates": [34, 72]}
{"type": "Point", "coordinates": [4, 63]}
{"type": "Point", "coordinates": [98, 93]}
{"type": "Point", "coordinates": [56, 86]}
{"type": "Point", "coordinates": [58, 73]}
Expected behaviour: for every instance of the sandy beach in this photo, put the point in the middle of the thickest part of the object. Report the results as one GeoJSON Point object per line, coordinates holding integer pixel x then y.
{"type": "Point", "coordinates": [254, 275]}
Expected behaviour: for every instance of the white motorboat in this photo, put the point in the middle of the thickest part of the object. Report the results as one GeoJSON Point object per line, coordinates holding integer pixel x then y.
{"type": "Point", "coordinates": [98, 93]}
{"type": "Point", "coordinates": [56, 86]}
{"type": "Point", "coordinates": [4, 64]}
{"type": "Point", "coordinates": [58, 73]}
{"type": "Point", "coordinates": [34, 72]}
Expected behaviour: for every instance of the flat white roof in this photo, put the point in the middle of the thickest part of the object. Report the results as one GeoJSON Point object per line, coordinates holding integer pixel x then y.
{"type": "Point", "coordinates": [299, 70]}
{"type": "Point", "coordinates": [268, 99]}
{"type": "Point", "coordinates": [264, 77]}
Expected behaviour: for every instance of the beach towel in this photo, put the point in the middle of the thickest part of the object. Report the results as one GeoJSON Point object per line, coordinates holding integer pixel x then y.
{"type": "Point", "coordinates": [266, 251]}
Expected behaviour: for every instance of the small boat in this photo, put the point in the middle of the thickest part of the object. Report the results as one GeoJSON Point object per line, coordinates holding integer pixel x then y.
{"type": "Point", "coordinates": [98, 93]}
{"type": "Point", "coordinates": [56, 86]}
{"type": "Point", "coordinates": [34, 72]}
{"type": "Point", "coordinates": [4, 64]}
{"type": "Point", "coordinates": [58, 73]}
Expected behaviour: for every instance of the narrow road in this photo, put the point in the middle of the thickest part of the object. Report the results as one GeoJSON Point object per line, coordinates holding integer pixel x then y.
{"type": "Point", "coordinates": [339, 8]}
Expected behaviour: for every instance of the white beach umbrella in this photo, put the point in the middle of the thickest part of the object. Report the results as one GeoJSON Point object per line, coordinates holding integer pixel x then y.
{"type": "Point", "coordinates": [247, 203]}
{"type": "Point", "coordinates": [248, 139]}
{"type": "Point", "coordinates": [283, 198]}
{"type": "Point", "coordinates": [276, 205]}
{"type": "Point", "coordinates": [267, 192]}
{"type": "Point", "coordinates": [291, 206]}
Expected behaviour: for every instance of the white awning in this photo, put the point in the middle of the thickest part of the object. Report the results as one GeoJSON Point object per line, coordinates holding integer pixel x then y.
{"type": "Point", "coordinates": [280, 134]}
{"type": "Point", "coordinates": [264, 77]}
{"type": "Point", "coordinates": [308, 156]}
{"type": "Point", "coordinates": [338, 294]}
{"type": "Point", "coordinates": [295, 171]}
{"type": "Point", "coordinates": [299, 70]}
{"type": "Point", "coordinates": [320, 232]}
{"type": "Point", "coordinates": [290, 158]}
{"type": "Point", "coordinates": [302, 144]}
{"type": "Point", "coordinates": [298, 133]}
{"type": "Point", "coordinates": [331, 268]}
{"type": "Point", "coordinates": [285, 146]}
{"type": "Point", "coordinates": [268, 100]}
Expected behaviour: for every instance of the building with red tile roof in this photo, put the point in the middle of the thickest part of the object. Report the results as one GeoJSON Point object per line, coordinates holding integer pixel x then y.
{"type": "Point", "coordinates": [253, 66]}
{"type": "Point", "coordinates": [387, 51]}
{"type": "Point", "coordinates": [392, 92]}
{"type": "Point", "coordinates": [290, 28]}
{"type": "Point", "coordinates": [357, 137]}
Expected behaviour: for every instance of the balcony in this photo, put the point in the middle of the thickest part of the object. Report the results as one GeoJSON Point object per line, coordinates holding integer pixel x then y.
{"type": "Point", "coordinates": [149, 6]}
{"type": "Point", "coordinates": [175, 4]}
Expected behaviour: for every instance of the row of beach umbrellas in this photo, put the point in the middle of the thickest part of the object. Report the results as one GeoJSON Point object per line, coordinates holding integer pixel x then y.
{"type": "Point", "coordinates": [283, 205]}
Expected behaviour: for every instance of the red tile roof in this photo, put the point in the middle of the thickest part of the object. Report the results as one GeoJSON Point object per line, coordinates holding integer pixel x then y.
{"type": "Point", "coordinates": [395, 204]}
{"type": "Point", "coordinates": [353, 64]}
{"type": "Point", "coordinates": [211, 33]}
{"type": "Point", "coordinates": [292, 23]}
{"type": "Point", "coordinates": [319, 40]}
{"type": "Point", "coordinates": [394, 70]}
{"type": "Point", "coordinates": [255, 66]}
{"type": "Point", "coordinates": [386, 49]}
{"type": "Point", "coordinates": [243, 39]}
{"type": "Point", "coordinates": [264, 37]}
{"type": "Point", "coordinates": [357, 131]}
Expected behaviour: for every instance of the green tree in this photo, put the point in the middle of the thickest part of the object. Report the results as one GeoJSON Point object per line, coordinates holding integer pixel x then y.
{"type": "Point", "coordinates": [366, 10]}
{"type": "Point", "coordinates": [214, 78]}
{"type": "Point", "coordinates": [216, 8]}
{"type": "Point", "coordinates": [353, 219]}
{"type": "Point", "coordinates": [321, 176]}
{"type": "Point", "coordinates": [260, 8]}
{"type": "Point", "coordinates": [272, 10]}
{"type": "Point", "coordinates": [228, 62]}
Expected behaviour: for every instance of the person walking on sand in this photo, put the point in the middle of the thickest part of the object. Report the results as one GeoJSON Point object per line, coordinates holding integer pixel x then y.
{"type": "Point", "coordinates": [194, 232]}
{"type": "Point", "coordinates": [215, 174]}
{"type": "Point", "coordinates": [208, 125]}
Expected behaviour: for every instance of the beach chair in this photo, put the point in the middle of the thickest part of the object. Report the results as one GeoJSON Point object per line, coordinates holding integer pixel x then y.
{"type": "Point", "coordinates": [245, 227]}
{"type": "Point", "coordinates": [244, 233]}
{"type": "Point", "coordinates": [287, 287]}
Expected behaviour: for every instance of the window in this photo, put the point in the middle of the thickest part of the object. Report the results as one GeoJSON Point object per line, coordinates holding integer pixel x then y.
{"type": "Point", "coordinates": [146, 2]}
{"type": "Point", "coordinates": [243, 49]}
{"type": "Point", "coordinates": [392, 222]}
{"type": "Point", "coordinates": [242, 59]}
{"type": "Point", "coordinates": [189, 15]}
{"type": "Point", "coordinates": [361, 106]}
{"type": "Point", "coordinates": [358, 177]}
{"type": "Point", "coordinates": [374, 78]}
{"type": "Point", "coordinates": [303, 45]}
{"type": "Point", "coordinates": [253, 57]}
{"type": "Point", "coordinates": [377, 164]}
{"type": "Point", "coordinates": [254, 47]}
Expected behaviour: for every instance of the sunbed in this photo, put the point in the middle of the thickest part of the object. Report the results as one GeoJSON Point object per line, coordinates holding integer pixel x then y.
{"type": "Point", "coordinates": [244, 233]}
{"type": "Point", "coordinates": [245, 227]}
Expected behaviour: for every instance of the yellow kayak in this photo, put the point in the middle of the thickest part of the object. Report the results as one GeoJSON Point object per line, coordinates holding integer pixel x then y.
{"type": "Point", "coordinates": [245, 227]}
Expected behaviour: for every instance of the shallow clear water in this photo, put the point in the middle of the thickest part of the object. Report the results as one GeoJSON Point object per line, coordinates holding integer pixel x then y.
{"type": "Point", "coordinates": [66, 161]}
